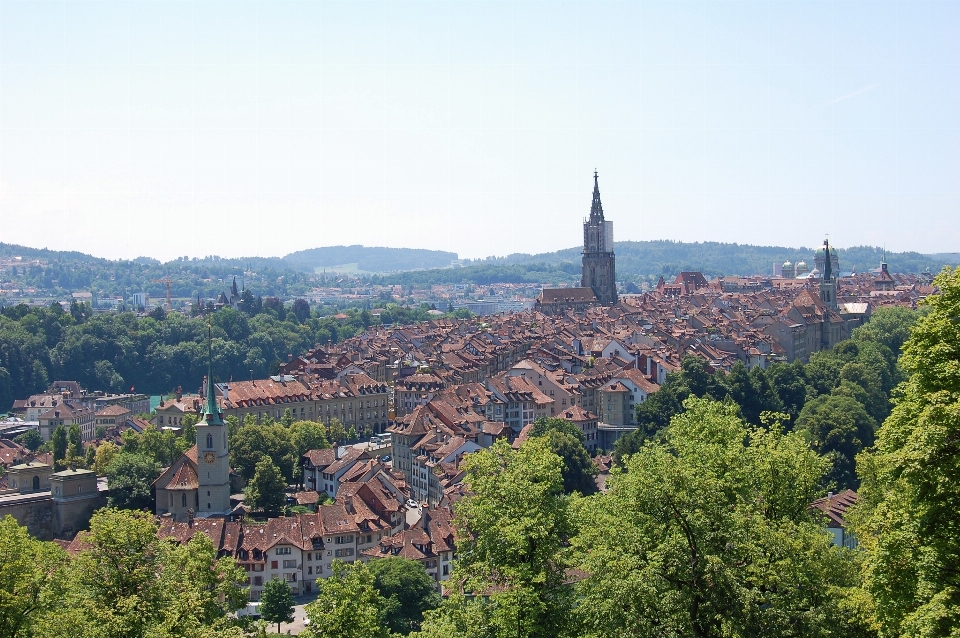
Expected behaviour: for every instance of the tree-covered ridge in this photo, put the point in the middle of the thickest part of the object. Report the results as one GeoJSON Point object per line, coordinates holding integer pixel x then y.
{"type": "Point", "coordinates": [158, 353]}
{"type": "Point", "coordinates": [62, 273]}
{"type": "Point", "coordinates": [370, 258]}
{"type": "Point", "coordinates": [664, 257]}
{"type": "Point", "coordinates": [293, 275]}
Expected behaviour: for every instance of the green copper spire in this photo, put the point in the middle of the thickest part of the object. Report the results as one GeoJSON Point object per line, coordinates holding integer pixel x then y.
{"type": "Point", "coordinates": [211, 412]}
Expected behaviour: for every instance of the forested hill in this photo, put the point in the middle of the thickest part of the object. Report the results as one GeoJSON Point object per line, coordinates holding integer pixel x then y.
{"type": "Point", "coordinates": [654, 258]}
{"type": "Point", "coordinates": [63, 272]}
{"type": "Point", "coordinates": [370, 259]}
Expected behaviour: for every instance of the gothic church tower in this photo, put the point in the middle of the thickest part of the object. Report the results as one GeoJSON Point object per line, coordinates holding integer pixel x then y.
{"type": "Point", "coordinates": [213, 454]}
{"type": "Point", "coordinates": [828, 283]}
{"type": "Point", "coordinates": [599, 267]}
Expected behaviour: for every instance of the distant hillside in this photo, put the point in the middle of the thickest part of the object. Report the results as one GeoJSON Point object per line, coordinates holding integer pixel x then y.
{"type": "Point", "coordinates": [653, 258]}
{"type": "Point", "coordinates": [15, 250]}
{"type": "Point", "coordinates": [370, 259]}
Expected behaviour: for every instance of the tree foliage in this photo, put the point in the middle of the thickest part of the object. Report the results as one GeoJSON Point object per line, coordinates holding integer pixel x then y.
{"type": "Point", "coordinates": [839, 428]}
{"type": "Point", "coordinates": [407, 589]}
{"type": "Point", "coordinates": [348, 606]}
{"type": "Point", "coordinates": [28, 571]}
{"type": "Point", "coordinates": [706, 533]}
{"type": "Point", "coordinates": [276, 602]}
{"type": "Point", "coordinates": [130, 477]}
{"type": "Point", "coordinates": [511, 531]}
{"type": "Point", "coordinates": [908, 519]}
{"type": "Point", "coordinates": [265, 491]}
{"type": "Point", "coordinates": [566, 441]}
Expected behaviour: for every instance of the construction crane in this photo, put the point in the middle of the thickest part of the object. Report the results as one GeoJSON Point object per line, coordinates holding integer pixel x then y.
{"type": "Point", "coordinates": [167, 281]}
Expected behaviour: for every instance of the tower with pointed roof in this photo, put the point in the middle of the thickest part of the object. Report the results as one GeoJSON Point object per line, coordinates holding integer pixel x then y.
{"type": "Point", "coordinates": [599, 263]}
{"type": "Point", "coordinates": [828, 283]}
{"type": "Point", "coordinates": [213, 452]}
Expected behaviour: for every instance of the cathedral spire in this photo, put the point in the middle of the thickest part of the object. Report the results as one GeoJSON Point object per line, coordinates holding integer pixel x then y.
{"type": "Point", "coordinates": [827, 266]}
{"type": "Point", "coordinates": [211, 411]}
{"type": "Point", "coordinates": [596, 209]}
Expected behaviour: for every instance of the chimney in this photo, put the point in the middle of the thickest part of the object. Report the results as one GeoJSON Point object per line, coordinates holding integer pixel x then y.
{"type": "Point", "coordinates": [289, 357]}
{"type": "Point", "coordinates": [348, 504]}
{"type": "Point", "coordinates": [336, 451]}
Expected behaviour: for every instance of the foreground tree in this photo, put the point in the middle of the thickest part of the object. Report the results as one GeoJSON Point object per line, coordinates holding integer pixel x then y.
{"type": "Point", "coordinates": [566, 441]}
{"type": "Point", "coordinates": [839, 428]}
{"type": "Point", "coordinates": [276, 602]}
{"type": "Point", "coordinates": [707, 533]}
{"type": "Point", "coordinates": [28, 568]}
{"type": "Point", "coordinates": [408, 590]}
{"type": "Point", "coordinates": [348, 605]}
{"type": "Point", "coordinates": [511, 532]}
{"type": "Point", "coordinates": [907, 520]}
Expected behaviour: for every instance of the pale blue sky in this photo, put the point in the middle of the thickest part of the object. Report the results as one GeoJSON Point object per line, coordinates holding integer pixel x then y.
{"type": "Point", "coordinates": [259, 128]}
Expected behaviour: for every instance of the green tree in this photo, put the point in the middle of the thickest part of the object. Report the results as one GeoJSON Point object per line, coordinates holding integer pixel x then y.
{"type": "Point", "coordinates": [655, 413]}
{"type": "Point", "coordinates": [59, 440]}
{"type": "Point", "coordinates": [30, 439]}
{"type": "Point", "coordinates": [712, 537]}
{"type": "Point", "coordinates": [116, 590]}
{"type": "Point", "coordinates": [789, 381]}
{"type": "Point", "coordinates": [130, 477]}
{"type": "Point", "coordinates": [348, 606]}
{"type": "Point", "coordinates": [90, 457]}
{"type": "Point", "coordinates": [106, 452]}
{"type": "Point", "coordinates": [254, 442]}
{"type": "Point", "coordinates": [408, 591]}
{"type": "Point", "coordinates": [336, 432]}
{"type": "Point", "coordinates": [839, 428]}
{"type": "Point", "coordinates": [27, 573]}
{"type": "Point", "coordinates": [75, 454]}
{"type": "Point", "coordinates": [276, 602]}
{"type": "Point", "coordinates": [566, 441]}
{"type": "Point", "coordinates": [511, 530]}
{"type": "Point", "coordinates": [889, 326]}
{"type": "Point", "coordinates": [265, 490]}
{"type": "Point", "coordinates": [287, 419]}
{"type": "Point", "coordinates": [199, 589]}
{"type": "Point", "coordinates": [910, 491]}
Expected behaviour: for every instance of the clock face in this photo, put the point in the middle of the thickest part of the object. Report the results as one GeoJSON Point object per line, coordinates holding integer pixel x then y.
{"type": "Point", "coordinates": [209, 457]}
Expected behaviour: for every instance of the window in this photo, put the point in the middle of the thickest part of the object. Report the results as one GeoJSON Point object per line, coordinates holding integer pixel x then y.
{"type": "Point", "coordinates": [209, 441]}
{"type": "Point", "coordinates": [282, 550]}
{"type": "Point", "coordinates": [273, 564]}
{"type": "Point", "coordinates": [289, 564]}
{"type": "Point", "coordinates": [340, 540]}
{"type": "Point", "coordinates": [184, 499]}
{"type": "Point", "coordinates": [346, 551]}
{"type": "Point", "coordinates": [258, 580]}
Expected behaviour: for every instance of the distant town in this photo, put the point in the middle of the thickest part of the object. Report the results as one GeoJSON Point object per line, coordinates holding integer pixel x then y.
{"type": "Point", "coordinates": [367, 437]}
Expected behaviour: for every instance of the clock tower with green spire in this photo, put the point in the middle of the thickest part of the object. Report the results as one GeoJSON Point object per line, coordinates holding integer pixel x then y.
{"type": "Point", "coordinates": [213, 452]}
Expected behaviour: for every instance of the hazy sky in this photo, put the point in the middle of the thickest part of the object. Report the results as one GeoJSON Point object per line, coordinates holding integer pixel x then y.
{"type": "Point", "coordinates": [259, 128]}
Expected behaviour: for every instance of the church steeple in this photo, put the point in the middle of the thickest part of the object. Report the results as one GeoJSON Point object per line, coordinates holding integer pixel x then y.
{"type": "Point", "coordinates": [213, 451]}
{"type": "Point", "coordinates": [211, 411]}
{"type": "Point", "coordinates": [828, 285]}
{"type": "Point", "coordinates": [596, 208]}
{"type": "Point", "coordinates": [827, 266]}
{"type": "Point", "coordinates": [599, 267]}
